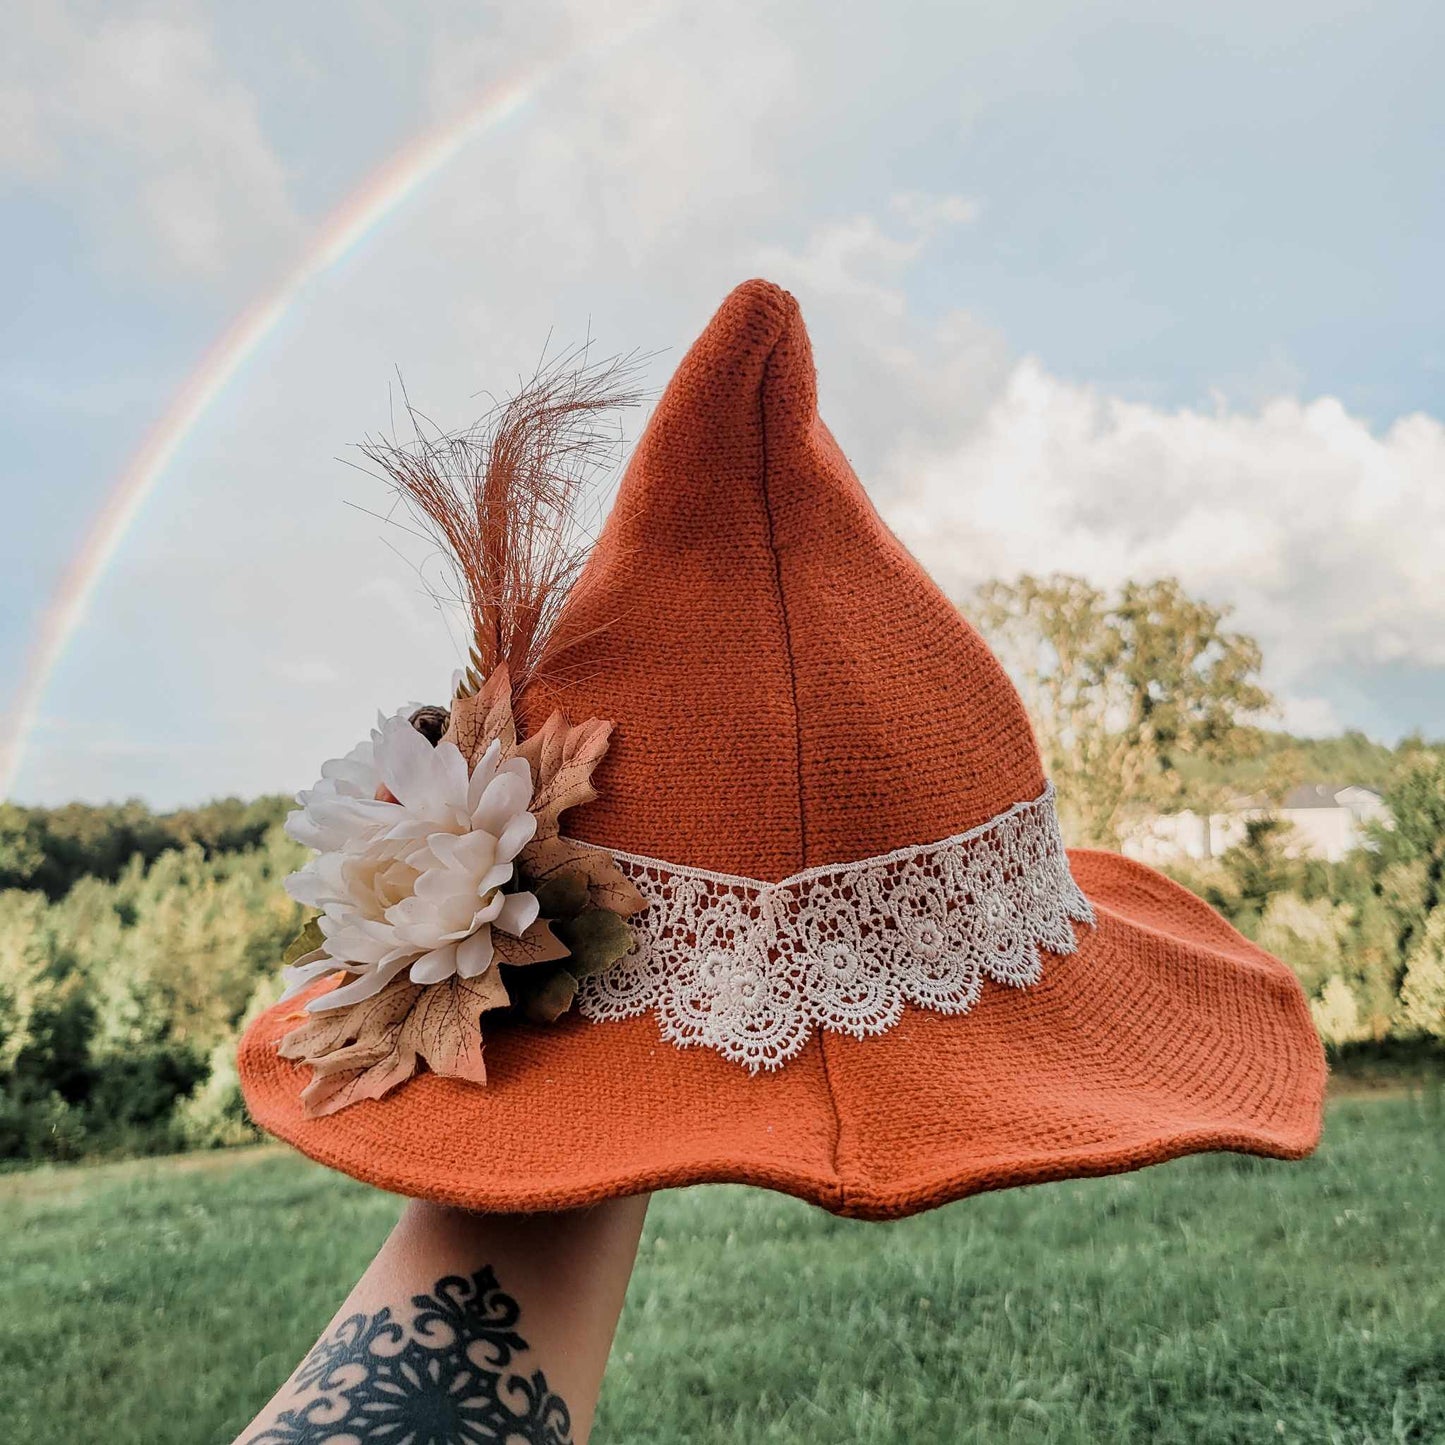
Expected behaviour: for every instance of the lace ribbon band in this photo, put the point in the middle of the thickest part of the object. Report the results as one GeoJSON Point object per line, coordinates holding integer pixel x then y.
{"type": "Point", "coordinates": [752, 968]}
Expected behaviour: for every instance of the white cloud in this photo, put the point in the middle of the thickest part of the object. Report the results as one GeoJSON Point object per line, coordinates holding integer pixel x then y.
{"type": "Point", "coordinates": [650, 138]}
{"type": "Point", "coordinates": [858, 259]}
{"type": "Point", "coordinates": [1324, 535]}
{"type": "Point", "coordinates": [135, 119]}
{"type": "Point", "coordinates": [888, 382]}
{"type": "Point", "coordinates": [1310, 717]}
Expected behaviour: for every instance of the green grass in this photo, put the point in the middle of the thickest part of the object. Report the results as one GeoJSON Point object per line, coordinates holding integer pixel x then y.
{"type": "Point", "coordinates": [1210, 1300]}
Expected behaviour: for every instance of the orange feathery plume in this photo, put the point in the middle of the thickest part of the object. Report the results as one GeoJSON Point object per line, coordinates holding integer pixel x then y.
{"type": "Point", "coordinates": [503, 499]}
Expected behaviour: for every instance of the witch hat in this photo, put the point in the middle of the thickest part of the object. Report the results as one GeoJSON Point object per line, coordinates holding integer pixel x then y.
{"type": "Point", "coordinates": [867, 973]}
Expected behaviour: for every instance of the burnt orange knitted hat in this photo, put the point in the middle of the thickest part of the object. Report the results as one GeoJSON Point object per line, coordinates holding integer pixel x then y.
{"type": "Point", "coordinates": [844, 952]}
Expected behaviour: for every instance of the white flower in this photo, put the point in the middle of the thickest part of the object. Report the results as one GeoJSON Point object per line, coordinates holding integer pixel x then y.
{"type": "Point", "coordinates": [416, 883]}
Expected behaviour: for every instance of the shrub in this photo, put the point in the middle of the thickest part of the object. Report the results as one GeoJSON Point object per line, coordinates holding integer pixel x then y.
{"type": "Point", "coordinates": [1422, 996]}
{"type": "Point", "coordinates": [1337, 1015]}
{"type": "Point", "coordinates": [1310, 937]}
{"type": "Point", "coordinates": [121, 1003]}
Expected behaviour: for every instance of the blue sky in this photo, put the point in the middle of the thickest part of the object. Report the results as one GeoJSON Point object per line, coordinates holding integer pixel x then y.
{"type": "Point", "coordinates": [1120, 288]}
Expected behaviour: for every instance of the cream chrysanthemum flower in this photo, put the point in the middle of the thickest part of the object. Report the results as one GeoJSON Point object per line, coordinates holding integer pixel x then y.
{"type": "Point", "coordinates": [417, 883]}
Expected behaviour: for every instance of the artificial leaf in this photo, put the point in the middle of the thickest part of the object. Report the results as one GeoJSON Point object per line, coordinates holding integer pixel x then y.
{"type": "Point", "coordinates": [366, 1050]}
{"type": "Point", "coordinates": [537, 945]}
{"type": "Point", "coordinates": [563, 895]}
{"type": "Point", "coordinates": [562, 759]}
{"type": "Point", "coordinates": [307, 941]}
{"type": "Point", "coordinates": [485, 717]}
{"type": "Point", "coordinates": [595, 939]}
{"type": "Point", "coordinates": [330, 1029]}
{"type": "Point", "coordinates": [545, 858]}
{"type": "Point", "coordinates": [353, 1058]}
{"type": "Point", "coordinates": [611, 888]}
{"type": "Point", "coordinates": [328, 1093]}
{"type": "Point", "coordinates": [445, 1026]}
{"type": "Point", "coordinates": [366, 1036]}
{"type": "Point", "coordinates": [548, 1003]}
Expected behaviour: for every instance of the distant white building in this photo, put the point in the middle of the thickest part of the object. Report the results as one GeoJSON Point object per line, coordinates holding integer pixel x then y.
{"type": "Point", "coordinates": [1323, 820]}
{"type": "Point", "coordinates": [1169, 837]}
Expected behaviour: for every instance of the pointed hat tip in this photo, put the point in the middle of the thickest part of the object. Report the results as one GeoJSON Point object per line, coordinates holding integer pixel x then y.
{"type": "Point", "coordinates": [755, 338]}
{"type": "Point", "coordinates": [756, 313]}
{"type": "Point", "coordinates": [750, 369]}
{"type": "Point", "coordinates": [762, 298]}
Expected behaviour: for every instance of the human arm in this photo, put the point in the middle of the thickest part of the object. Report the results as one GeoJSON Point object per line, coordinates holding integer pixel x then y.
{"type": "Point", "coordinates": [466, 1323]}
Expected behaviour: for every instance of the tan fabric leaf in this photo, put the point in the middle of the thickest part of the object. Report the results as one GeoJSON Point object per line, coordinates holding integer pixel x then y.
{"type": "Point", "coordinates": [325, 1032]}
{"type": "Point", "coordinates": [562, 759]}
{"type": "Point", "coordinates": [544, 858]}
{"type": "Point", "coordinates": [537, 945]}
{"type": "Point", "coordinates": [326, 1093]}
{"type": "Point", "coordinates": [484, 718]}
{"type": "Point", "coordinates": [544, 747]}
{"type": "Point", "coordinates": [609, 886]}
{"type": "Point", "coordinates": [445, 1027]}
{"type": "Point", "coordinates": [352, 1058]}
{"type": "Point", "coordinates": [365, 1051]}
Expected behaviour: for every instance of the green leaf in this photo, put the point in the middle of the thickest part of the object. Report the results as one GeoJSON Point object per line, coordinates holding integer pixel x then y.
{"type": "Point", "coordinates": [562, 896]}
{"type": "Point", "coordinates": [548, 1003]}
{"type": "Point", "coordinates": [595, 938]}
{"type": "Point", "coordinates": [307, 941]}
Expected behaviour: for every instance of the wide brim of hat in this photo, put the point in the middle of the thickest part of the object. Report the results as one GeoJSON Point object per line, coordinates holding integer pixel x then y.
{"type": "Point", "coordinates": [1165, 1033]}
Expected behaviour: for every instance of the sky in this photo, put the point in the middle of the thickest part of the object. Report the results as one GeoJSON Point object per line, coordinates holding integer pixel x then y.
{"type": "Point", "coordinates": [1121, 289]}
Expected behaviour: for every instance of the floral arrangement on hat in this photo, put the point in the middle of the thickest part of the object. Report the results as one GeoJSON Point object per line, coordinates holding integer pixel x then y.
{"type": "Point", "coordinates": [443, 886]}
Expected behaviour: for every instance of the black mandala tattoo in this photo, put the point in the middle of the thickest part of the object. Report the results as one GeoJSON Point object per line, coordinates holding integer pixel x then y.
{"type": "Point", "coordinates": [445, 1379]}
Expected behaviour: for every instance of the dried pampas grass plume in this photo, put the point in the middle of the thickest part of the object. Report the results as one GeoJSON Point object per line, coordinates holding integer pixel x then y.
{"type": "Point", "coordinates": [504, 498]}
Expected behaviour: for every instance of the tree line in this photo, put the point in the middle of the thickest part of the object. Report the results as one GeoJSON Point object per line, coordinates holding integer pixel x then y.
{"type": "Point", "coordinates": [1364, 935]}
{"type": "Point", "coordinates": [122, 999]}
{"type": "Point", "coordinates": [49, 850]}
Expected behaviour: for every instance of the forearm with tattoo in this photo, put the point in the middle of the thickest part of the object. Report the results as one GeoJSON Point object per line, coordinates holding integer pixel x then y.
{"type": "Point", "coordinates": [454, 1374]}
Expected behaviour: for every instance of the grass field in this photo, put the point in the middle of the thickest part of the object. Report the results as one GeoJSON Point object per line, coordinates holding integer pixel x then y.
{"type": "Point", "coordinates": [1214, 1299]}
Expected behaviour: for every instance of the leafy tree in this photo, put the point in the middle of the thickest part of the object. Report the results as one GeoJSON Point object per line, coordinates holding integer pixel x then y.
{"type": "Point", "coordinates": [21, 855]}
{"type": "Point", "coordinates": [119, 999]}
{"type": "Point", "coordinates": [1405, 888]}
{"type": "Point", "coordinates": [1125, 692]}
{"type": "Point", "coordinates": [1412, 846]}
{"type": "Point", "coordinates": [1258, 867]}
{"type": "Point", "coordinates": [1375, 966]}
{"type": "Point", "coordinates": [1337, 1014]}
{"type": "Point", "coordinates": [1416, 799]}
{"type": "Point", "coordinates": [1313, 938]}
{"type": "Point", "coordinates": [1422, 996]}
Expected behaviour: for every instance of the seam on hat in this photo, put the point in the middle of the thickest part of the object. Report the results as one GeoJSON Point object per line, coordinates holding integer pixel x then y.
{"type": "Point", "coordinates": [783, 612]}
{"type": "Point", "coordinates": [798, 747]}
{"type": "Point", "coordinates": [843, 1191]}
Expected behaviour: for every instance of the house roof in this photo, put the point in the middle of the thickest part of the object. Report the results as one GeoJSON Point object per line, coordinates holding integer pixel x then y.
{"type": "Point", "coordinates": [1323, 795]}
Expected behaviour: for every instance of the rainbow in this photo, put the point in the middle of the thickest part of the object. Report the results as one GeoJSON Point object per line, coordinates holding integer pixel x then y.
{"type": "Point", "coordinates": [383, 191]}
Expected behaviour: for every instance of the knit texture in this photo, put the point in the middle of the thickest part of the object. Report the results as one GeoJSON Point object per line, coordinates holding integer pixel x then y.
{"type": "Point", "coordinates": [789, 686]}
{"type": "Point", "coordinates": [790, 690]}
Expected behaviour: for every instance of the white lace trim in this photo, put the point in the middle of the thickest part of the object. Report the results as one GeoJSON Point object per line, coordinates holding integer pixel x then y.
{"type": "Point", "coordinates": [752, 968]}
